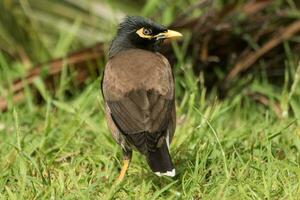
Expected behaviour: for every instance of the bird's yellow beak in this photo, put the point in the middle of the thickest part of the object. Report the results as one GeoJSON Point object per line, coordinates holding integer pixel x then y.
{"type": "Point", "coordinates": [168, 34]}
{"type": "Point", "coordinates": [164, 35]}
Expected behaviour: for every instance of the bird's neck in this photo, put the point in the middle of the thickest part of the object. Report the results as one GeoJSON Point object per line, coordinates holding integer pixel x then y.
{"type": "Point", "coordinates": [122, 43]}
{"type": "Point", "coordinates": [118, 45]}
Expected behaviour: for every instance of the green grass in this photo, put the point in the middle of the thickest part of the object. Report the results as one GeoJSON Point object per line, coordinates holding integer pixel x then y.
{"type": "Point", "coordinates": [233, 148]}
{"type": "Point", "coordinates": [230, 149]}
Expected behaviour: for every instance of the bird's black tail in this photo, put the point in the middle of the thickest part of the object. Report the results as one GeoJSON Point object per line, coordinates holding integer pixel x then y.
{"type": "Point", "coordinates": [160, 161]}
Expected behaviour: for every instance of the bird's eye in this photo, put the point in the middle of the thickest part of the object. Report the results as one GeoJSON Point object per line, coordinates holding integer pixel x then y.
{"type": "Point", "coordinates": [147, 31]}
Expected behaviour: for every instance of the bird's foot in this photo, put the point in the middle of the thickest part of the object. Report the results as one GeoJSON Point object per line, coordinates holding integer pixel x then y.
{"type": "Point", "coordinates": [123, 170]}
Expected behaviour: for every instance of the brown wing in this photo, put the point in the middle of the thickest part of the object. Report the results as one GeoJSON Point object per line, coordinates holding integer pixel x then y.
{"type": "Point", "coordinates": [140, 96]}
{"type": "Point", "coordinates": [143, 117]}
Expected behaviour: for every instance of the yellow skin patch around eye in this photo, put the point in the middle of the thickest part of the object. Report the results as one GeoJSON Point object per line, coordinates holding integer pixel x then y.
{"type": "Point", "coordinates": [165, 35]}
{"type": "Point", "coordinates": [140, 32]}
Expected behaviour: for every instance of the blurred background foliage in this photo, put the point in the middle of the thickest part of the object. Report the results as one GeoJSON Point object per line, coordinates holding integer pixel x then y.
{"type": "Point", "coordinates": [219, 35]}
{"type": "Point", "coordinates": [223, 39]}
{"type": "Point", "coordinates": [46, 29]}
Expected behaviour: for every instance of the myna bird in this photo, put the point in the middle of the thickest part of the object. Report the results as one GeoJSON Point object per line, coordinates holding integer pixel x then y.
{"type": "Point", "coordinates": [138, 90]}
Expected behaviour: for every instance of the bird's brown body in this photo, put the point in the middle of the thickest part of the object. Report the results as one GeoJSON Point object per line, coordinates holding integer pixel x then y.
{"type": "Point", "coordinates": [138, 88]}
{"type": "Point", "coordinates": [136, 69]}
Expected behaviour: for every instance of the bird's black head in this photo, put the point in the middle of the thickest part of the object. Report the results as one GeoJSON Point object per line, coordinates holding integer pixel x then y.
{"type": "Point", "coordinates": [138, 32]}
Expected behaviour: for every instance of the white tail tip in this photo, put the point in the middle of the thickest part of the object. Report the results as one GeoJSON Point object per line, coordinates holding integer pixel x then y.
{"type": "Point", "coordinates": [168, 173]}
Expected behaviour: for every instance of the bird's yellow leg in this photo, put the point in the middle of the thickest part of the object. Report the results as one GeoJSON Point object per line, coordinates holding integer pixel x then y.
{"type": "Point", "coordinates": [123, 170]}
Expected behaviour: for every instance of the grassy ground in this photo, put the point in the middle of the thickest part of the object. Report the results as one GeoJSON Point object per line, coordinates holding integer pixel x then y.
{"type": "Point", "coordinates": [234, 148]}
{"type": "Point", "coordinates": [231, 149]}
